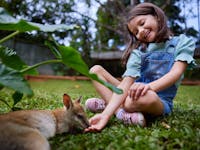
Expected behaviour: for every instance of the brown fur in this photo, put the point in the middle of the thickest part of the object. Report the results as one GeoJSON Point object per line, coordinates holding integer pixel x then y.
{"type": "Point", "coordinates": [30, 129]}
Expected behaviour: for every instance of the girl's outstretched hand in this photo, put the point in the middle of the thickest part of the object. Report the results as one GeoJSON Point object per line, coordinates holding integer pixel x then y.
{"type": "Point", "coordinates": [138, 89]}
{"type": "Point", "coordinates": [97, 123]}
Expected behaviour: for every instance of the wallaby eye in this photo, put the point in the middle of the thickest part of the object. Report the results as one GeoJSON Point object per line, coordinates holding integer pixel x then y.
{"type": "Point", "coordinates": [79, 116]}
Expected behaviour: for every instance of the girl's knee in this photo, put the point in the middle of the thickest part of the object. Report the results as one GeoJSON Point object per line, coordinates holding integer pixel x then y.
{"type": "Point", "coordinates": [150, 99]}
{"type": "Point", "coordinates": [96, 69]}
{"type": "Point", "coordinates": [132, 105]}
{"type": "Point", "coordinates": [128, 105]}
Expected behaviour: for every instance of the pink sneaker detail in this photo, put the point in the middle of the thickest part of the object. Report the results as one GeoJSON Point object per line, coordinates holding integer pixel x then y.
{"type": "Point", "coordinates": [135, 118]}
{"type": "Point", "coordinates": [95, 104]}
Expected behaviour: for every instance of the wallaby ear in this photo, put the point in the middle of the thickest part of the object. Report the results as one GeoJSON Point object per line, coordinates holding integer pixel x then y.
{"type": "Point", "coordinates": [67, 101]}
{"type": "Point", "coordinates": [79, 99]}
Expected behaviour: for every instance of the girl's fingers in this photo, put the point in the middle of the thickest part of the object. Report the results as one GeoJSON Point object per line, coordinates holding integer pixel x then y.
{"type": "Point", "coordinates": [146, 88]}
{"type": "Point", "coordinates": [144, 91]}
{"type": "Point", "coordinates": [91, 129]}
{"type": "Point", "coordinates": [133, 90]}
{"type": "Point", "coordinates": [131, 93]}
{"type": "Point", "coordinates": [138, 91]}
{"type": "Point", "coordinates": [94, 119]}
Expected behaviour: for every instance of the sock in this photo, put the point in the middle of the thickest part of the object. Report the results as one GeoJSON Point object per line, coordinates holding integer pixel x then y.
{"type": "Point", "coordinates": [119, 113]}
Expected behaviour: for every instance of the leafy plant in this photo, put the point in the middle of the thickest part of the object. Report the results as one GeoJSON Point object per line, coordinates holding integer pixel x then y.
{"type": "Point", "coordinates": [13, 69]}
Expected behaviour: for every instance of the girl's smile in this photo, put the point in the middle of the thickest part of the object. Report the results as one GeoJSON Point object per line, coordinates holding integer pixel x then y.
{"type": "Point", "coordinates": [144, 28]}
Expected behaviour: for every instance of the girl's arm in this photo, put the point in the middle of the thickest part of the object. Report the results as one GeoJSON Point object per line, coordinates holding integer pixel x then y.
{"type": "Point", "coordinates": [99, 121]}
{"type": "Point", "coordinates": [170, 78]}
{"type": "Point", "coordinates": [116, 99]}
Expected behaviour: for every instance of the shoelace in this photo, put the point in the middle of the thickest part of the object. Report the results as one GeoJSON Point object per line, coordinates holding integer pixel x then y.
{"type": "Point", "coordinates": [128, 119]}
{"type": "Point", "coordinates": [99, 105]}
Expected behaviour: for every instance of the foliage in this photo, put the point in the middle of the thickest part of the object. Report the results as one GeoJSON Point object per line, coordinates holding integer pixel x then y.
{"type": "Point", "coordinates": [194, 73]}
{"type": "Point", "coordinates": [12, 68]}
{"type": "Point", "coordinates": [109, 23]}
{"type": "Point", "coordinates": [106, 33]}
{"type": "Point", "coordinates": [54, 12]}
{"type": "Point", "coordinates": [112, 14]}
{"type": "Point", "coordinates": [183, 131]}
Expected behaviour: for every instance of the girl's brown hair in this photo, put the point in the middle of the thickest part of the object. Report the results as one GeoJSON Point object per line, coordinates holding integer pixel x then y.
{"type": "Point", "coordinates": [163, 30]}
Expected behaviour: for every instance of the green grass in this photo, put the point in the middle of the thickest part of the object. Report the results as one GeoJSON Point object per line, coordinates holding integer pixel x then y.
{"type": "Point", "coordinates": [183, 131]}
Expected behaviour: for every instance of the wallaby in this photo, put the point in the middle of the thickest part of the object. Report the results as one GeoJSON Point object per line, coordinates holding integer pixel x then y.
{"type": "Point", "coordinates": [30, 129]}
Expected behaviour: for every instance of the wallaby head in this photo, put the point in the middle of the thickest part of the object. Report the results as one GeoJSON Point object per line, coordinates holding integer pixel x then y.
{"type": "Point", "coordinates": [75, 116]}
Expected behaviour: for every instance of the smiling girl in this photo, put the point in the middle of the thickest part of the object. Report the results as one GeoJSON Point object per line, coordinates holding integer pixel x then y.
{"type": "Point", "coordinates": [155, 62]}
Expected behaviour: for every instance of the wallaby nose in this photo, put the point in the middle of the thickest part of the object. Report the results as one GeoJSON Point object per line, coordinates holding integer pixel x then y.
{"type": "Point", "coordinates": [87, 124]}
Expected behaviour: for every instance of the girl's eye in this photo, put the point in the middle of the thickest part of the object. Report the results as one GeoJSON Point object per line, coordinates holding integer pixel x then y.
{"type": "Point", "coordinates": [141, 23]}
{"type": "Point", "coordinates": [136, 32]}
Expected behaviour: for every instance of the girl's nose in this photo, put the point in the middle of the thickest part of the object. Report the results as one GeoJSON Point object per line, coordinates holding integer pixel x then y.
{"type": "Point", "coordinates": [140, 32]}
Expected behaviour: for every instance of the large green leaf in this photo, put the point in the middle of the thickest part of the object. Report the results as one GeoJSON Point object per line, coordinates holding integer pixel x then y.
{"type": "Point", "coordinates": [53, 47]}
{"type": "Point", "coordinates": [7, 22]}
{"type": "Point", "coordinates": [17, 97]}
{"type": "Point", "coordinates": [5, 17]}
{"type": "Point", "coordinates": [10, 59]}
{"type": "Point", "coordinates": [72, 58]}
{"type": "Point", "coordinates": [14, 80]}
{"type": "Point", "coordinates": [54, 27]}
{"type": "Point", "coordinates": [21, 26]}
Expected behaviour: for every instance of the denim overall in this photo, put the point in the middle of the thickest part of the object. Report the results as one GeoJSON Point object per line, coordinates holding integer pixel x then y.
{"type": "Point", "coordinates": [156, 64]}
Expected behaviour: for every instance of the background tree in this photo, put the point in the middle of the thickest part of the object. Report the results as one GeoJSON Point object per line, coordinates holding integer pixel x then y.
{"type": "Point", "coordinates": [109, 25]}
{"type": "Point", "coordinates": [111, 14]}
{"type": "Point", "coordinates": [53, 12]}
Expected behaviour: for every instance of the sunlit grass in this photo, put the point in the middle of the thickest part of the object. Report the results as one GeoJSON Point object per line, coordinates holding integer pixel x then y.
{"type": "Point", "coordinates": [182, 132]}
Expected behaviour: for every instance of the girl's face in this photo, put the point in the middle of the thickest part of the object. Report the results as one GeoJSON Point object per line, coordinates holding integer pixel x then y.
{"type": "Point", "coordinates": [144, 28]}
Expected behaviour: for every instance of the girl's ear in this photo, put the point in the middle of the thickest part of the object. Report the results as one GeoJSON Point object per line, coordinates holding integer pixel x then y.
{"type": "Point", "coordinates": [67, 101]}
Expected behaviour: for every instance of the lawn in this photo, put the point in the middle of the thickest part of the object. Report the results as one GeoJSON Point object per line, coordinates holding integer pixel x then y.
{"type": "Point", "coordinates": [180, 130]}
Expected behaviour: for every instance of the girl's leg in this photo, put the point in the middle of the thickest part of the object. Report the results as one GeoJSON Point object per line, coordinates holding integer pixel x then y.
{"type": "Point", "coordinates": [104, 92]}
{"type": "Point", "coordinates": [149, 103]}
{"type": "Point", "coordinates": [131, 109]}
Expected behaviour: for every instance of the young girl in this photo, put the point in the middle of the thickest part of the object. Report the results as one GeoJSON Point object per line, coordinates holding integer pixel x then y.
{"type": "Point", "coordinates": [155, 63]}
